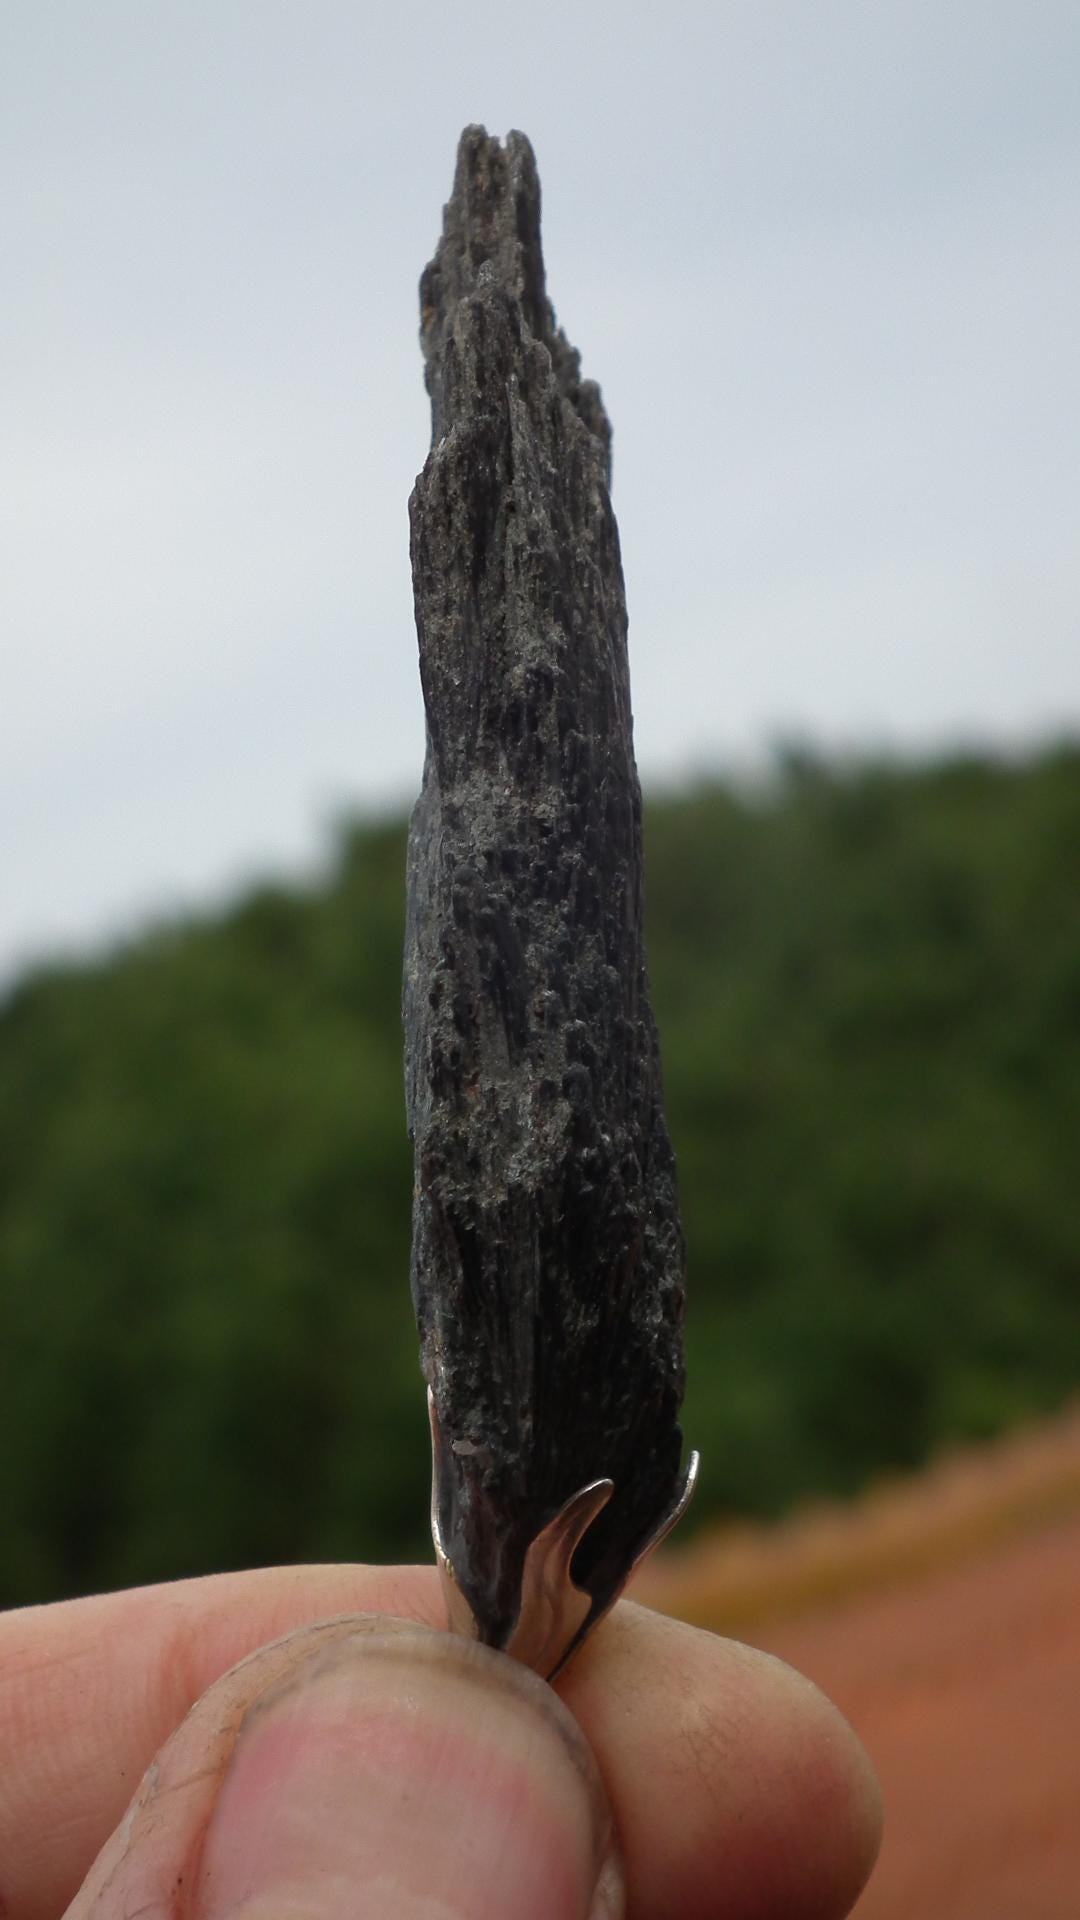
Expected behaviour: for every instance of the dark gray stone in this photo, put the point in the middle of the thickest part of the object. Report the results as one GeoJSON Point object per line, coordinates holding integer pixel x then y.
{"type": "Point", "coordinates": [547, 1266]}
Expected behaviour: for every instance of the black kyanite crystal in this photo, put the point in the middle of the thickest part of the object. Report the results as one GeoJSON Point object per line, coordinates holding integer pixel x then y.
{"type": "Point", "coordinates": [547, 1263]}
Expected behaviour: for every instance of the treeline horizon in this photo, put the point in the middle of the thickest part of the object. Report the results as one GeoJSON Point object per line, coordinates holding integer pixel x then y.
{"type": "Point", "coordinates": [867, 982]}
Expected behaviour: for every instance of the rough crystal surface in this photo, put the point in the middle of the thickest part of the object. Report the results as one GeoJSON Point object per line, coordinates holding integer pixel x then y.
{"type": "Point", "coordinates": [547, 1266]}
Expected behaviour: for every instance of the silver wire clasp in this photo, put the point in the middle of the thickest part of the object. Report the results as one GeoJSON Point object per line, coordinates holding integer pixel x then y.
{"type": "Point", "coordinates": [555, 1615]}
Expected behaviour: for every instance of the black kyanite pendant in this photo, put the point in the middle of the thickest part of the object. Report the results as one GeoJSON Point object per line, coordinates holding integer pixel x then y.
{"type": "Point", "coordinates": [547, 1261]}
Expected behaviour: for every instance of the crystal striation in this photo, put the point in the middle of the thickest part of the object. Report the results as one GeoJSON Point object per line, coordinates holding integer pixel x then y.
{"type": "Point", "coordinates": [547, 1264]}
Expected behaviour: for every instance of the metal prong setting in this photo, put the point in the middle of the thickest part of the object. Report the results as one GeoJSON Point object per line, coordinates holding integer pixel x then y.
{"type": "Point", "coordinates": [555, 1616]}
{"type": "Point", "coordinates": [554, 1612]}
{"type": "Point", "coordinates": [459, 1615]}
{"type": "Point", "coordinates": [660, 1532]}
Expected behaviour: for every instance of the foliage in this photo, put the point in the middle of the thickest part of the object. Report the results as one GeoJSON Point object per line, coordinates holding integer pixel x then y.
{"type": "Point", "coordinates": [868, 988]}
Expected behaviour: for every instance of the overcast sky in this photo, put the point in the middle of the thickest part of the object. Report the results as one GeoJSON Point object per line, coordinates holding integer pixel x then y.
{"type": "Point", "coordinates": [822, 258]}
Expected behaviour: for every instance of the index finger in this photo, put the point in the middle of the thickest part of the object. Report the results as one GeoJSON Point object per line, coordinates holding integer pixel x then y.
{"type": "Point", "coordinates": [738, 1790]}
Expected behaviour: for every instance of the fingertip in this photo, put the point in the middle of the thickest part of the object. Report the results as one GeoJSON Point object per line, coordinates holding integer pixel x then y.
{"type": "Point", "coordinates": [737, 1786]}
{"type": "Point", "coordinates": [823, 1796]}
{"type": "Point", "coordinates": [365, 1762]}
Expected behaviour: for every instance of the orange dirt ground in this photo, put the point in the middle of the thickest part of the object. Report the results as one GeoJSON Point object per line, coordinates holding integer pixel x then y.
{"type": "Point", "coordinates": [957, 1660]}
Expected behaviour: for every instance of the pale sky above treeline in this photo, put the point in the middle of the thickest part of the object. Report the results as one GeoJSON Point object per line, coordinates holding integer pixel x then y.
{"type": "Point", "coordinates": [822, 260]}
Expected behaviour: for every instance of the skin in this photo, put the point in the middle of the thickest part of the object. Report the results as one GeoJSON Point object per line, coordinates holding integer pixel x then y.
{"type": "Point", "coordinates": [738, 1791]}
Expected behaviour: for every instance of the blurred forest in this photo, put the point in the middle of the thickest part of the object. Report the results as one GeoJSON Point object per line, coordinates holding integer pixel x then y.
{"type": "Point", "coordinates": [868, 988]}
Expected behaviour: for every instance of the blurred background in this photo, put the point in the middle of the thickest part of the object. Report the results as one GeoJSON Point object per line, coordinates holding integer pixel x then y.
{"type": "Point", "coordinates": [823, 263]}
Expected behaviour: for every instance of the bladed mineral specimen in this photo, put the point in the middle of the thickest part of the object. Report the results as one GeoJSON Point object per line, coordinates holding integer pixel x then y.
{"type": "Point", "coordinates": [547, 1266]}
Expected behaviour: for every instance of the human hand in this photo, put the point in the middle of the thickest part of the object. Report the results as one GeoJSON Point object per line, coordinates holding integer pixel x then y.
{"type": "Point", "coordinates": [371, 1765]}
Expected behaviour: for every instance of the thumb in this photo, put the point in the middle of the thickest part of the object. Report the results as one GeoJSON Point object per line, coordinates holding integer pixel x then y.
{"type": "Point", "coordinates": [366, 1765]}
